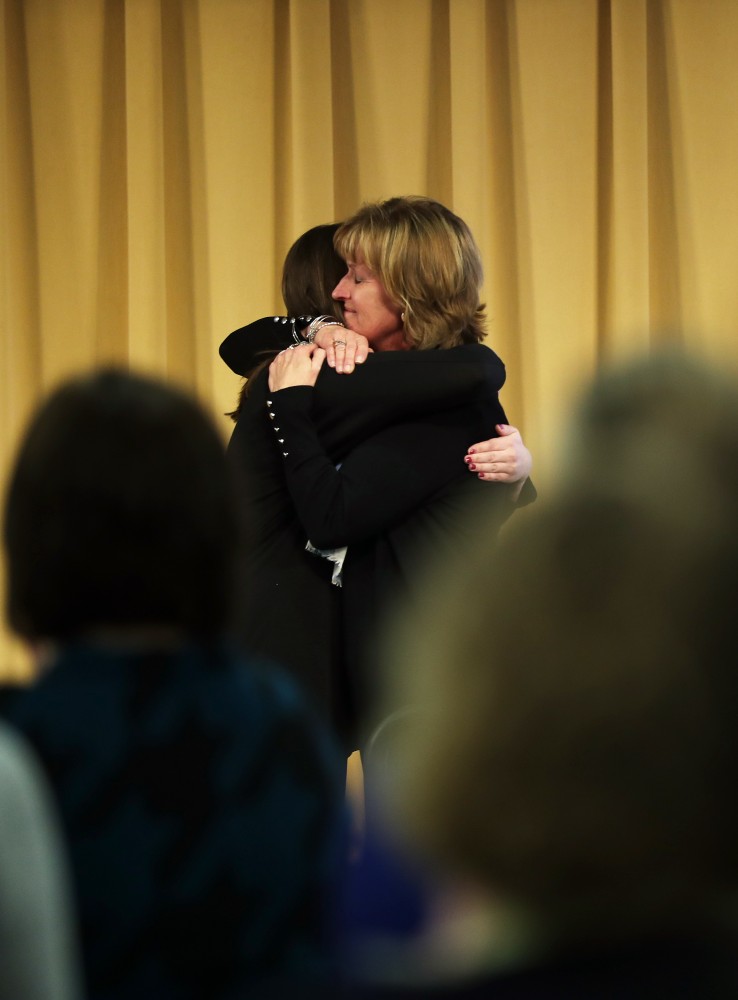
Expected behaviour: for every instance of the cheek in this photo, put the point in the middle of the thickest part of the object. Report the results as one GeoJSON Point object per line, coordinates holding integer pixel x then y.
{"type": "Point", "coordinates": [389, 313]}
{"type": "Point", "coordinates": [387, 307]}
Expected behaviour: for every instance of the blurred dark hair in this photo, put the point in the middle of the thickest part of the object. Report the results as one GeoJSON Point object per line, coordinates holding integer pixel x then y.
{"type": "Point", "coordinates": [119, 512]}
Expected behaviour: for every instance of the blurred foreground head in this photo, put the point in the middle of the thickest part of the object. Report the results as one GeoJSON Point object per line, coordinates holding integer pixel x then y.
{"type": "Point", "coordinates": [660, 420]}
{"type": "Point", "coordinates": [119, 513]}
{"type": "Point", "coordinates": [574, 746]}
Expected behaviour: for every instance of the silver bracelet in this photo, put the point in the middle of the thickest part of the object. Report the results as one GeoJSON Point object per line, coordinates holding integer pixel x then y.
{"type": "Point", "coordinates": [317, 324]}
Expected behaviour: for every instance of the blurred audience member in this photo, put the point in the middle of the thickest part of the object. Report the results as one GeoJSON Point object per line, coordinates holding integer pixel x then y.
{"type": "Point", "coordinates": [568, 770]}
{"type": "Point", "coordinates": [202, 808]}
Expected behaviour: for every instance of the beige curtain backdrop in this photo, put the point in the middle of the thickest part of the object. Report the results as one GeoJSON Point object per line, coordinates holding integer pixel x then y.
{"type": "Point", "coordinates": [158, 157]}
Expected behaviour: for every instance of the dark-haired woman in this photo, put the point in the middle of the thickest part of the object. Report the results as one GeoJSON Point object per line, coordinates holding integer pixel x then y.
{"type": "Point", "coordinates": [201, 804]}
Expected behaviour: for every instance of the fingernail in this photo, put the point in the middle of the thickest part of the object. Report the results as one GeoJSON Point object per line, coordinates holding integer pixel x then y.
{"type": "Point", "coordinates": [472, 466]}
{"type": "Point", "coordinates": [360, 358]}
{"type": "Point", "coordinates": [471, 451]}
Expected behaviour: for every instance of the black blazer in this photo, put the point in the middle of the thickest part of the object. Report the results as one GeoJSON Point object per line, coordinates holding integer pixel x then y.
{"type": "Point", "coordinates": [398, 499]}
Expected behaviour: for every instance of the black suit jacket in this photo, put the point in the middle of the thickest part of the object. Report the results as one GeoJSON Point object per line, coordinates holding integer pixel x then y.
{"type": "Point", "coordinates": [399, 500]}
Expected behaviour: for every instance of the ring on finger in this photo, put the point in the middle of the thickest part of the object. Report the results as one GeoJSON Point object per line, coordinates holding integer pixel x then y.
{"type": "Point", "coordinates": [337, 343]}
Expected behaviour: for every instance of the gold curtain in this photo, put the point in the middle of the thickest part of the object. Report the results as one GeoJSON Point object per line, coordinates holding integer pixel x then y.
{"type": "Point", "coordinates": [157, 158]}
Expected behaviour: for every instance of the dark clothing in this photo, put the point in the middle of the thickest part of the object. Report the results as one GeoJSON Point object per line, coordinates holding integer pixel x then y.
{"type": "Point", "coordinates": [247, 346]}
{"type": "Point", "coordinates": [681, 968]}
{"type": "Point", "coordinates": [397, 499]}
{"type": "Point", "coordinates": [390, 900]}
{"type": "Point", "coordinates": [291, 613]}
{"type": "Point", "coordinates": [203, 811]}
{"type": "Point", "coordinates": [689, 967]}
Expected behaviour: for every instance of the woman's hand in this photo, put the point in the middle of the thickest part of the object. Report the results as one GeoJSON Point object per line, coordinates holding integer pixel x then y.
{"type": "Point", "coordinates": [343, 348]}
{"type": "Point", "coordinates": [503, 459]}
{"type": "Point", "coordinates": [296, 366]}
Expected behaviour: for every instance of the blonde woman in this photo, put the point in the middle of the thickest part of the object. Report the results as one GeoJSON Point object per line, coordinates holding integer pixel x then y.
{"type": "Point", "coordinates": [412, 289]}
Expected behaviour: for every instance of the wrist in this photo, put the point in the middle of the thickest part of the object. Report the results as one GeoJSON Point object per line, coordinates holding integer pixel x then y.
{"type": "Point", "coordinates": [317, 324]}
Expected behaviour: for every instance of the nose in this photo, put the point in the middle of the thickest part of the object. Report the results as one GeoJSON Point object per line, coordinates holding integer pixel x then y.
{"type": "Point", "coordinates": [340, 292]}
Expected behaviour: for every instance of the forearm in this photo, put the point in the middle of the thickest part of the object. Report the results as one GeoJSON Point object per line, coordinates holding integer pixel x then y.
{"type": "Point", "coordinates": [380, 482]}
{"type": "Point", "coordinates": [397, 386]}
{"type": "Point", "coordinates": [247, 347]}
{"type": "Point", "coordinates": [318, 491]}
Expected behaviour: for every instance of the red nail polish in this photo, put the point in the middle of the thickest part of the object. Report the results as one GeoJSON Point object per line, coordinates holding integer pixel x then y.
{"type": "Point", "coordinates": [472, 466]}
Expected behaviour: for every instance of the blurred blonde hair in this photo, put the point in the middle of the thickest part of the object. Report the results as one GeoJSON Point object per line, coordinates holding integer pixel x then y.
{"type": "Point", "coordinates": [577, 677]}
{"type": "Point", "coordinates": [428, 263]}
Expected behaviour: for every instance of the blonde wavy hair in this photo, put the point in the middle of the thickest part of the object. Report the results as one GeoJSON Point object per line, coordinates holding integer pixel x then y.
{"type": "Point", "coordinates": [428, 262]}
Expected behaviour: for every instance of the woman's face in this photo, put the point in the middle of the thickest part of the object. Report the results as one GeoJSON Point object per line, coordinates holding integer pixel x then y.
{"type": "Point", "coordinates": [367, 309]}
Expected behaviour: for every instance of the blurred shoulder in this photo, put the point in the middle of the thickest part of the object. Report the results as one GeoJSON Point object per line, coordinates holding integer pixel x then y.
{"type": "Point", "coordinates": [18, 765]}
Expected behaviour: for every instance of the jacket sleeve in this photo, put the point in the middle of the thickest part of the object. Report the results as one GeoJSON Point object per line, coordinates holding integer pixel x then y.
{"type": "Point", "coordinates": [246, 347]}
{"type": "Point", "coordinates": [382, 480]}
{"type": "Point", "coordinates": [395, 386]}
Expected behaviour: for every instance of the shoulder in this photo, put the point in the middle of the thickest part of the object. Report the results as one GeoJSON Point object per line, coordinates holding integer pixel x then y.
{"type": "Point", "coordinates": [18, 765]}
{"type": "Point", "coordinates": [272, 694]}
{"type": "Point", "coordinates": [270, 701]}
{"type": "Point", "coordinates": [464, 354]}
{"type": "Point", "coordinates": [487, 367]}
{"type": "Point", "coordinates": [480, 353]}
{"type": "Point", "coordinates": [287, 738]}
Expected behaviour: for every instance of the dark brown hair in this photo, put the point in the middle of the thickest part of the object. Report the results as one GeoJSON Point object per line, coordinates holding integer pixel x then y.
{"type": "Point", "coordinates": [311, 271]}
{"type": "Point", "coordinates": [119, 512]}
